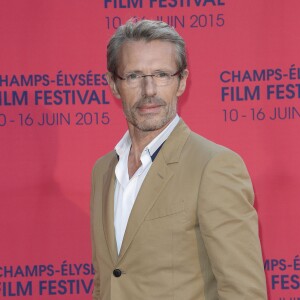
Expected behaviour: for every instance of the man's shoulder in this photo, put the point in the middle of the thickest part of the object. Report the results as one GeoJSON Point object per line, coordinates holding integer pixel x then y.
{"type": "Point", "coordinates": [103, 162]}
{"type": "Point", "coordinates": [198, 141]}
{"type": "Point", "coordinates": [202, 148]}
{"type": "Point", "coordinates": [191, 146]}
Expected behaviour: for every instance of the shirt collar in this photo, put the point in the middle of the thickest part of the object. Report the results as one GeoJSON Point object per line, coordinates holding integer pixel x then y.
{"type": "Point", "coordinates": [153, 147]}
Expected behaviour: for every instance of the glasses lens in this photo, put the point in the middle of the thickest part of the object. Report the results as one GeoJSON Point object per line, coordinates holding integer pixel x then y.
{"type": "Point", "coordinates": [160, 78]}
{"type": "Point", "coordinates": [133, 80]}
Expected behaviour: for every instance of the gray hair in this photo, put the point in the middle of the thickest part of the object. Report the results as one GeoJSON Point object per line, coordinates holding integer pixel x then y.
{"type": "Point", "coordinates": [145, 30]}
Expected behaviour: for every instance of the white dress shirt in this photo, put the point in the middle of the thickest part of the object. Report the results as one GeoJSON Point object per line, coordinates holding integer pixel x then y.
{"type": "Point", "coordinates": [126, 189]}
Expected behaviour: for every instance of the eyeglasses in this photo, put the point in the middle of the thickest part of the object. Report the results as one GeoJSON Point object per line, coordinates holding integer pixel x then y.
{"type": "Point", "coordinates": [160, 78]}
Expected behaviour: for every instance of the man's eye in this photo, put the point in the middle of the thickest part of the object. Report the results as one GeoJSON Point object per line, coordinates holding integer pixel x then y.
{"type": "Point", "coordinates": [132, 76]}
{"type": "Point", "coordinates": [162, 75]}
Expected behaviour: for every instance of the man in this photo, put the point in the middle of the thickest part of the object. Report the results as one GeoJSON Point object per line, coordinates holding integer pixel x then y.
{"type": "Point", "coordinates": [171, 213]}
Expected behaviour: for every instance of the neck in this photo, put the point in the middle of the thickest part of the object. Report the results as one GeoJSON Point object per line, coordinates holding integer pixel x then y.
{"type": "Point", "coordinates": [140, 139]}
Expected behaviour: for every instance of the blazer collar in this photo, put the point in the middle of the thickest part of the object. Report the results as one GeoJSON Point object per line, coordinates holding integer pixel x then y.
{"type": "Point", "coordinates": [174, 144]}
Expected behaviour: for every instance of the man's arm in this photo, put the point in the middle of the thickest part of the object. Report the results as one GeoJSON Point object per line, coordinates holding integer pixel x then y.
{"type": "Point", "coordinates": [229, 227]}
{"type": "Point", "coordinates": [96, 291]}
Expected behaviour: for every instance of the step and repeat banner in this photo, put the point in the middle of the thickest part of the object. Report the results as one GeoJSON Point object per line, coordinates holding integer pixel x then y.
{"type": "Point", "coordinates": [57, 116]}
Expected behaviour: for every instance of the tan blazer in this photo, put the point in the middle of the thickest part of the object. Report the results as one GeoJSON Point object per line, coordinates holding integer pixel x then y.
{"type": "Point", "coordinates": [192, 233]}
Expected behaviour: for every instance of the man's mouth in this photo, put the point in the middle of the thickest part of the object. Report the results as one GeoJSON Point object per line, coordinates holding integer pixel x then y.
{"type": "Point", "coordinates": [149, 108]}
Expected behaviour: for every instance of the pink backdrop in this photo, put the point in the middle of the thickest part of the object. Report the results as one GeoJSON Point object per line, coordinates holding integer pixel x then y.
{"type": "Point", "coordinates": [57, 116]}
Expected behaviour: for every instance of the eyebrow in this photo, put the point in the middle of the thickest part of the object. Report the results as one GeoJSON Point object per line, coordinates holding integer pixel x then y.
{"type": "Point", "coordinates": [134, 71]}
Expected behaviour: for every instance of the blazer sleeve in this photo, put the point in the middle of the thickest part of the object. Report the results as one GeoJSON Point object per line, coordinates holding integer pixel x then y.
{"type": "Point", "coordinates": [96, 291]}
{"type": "Point", "coordinates": [229, 227]}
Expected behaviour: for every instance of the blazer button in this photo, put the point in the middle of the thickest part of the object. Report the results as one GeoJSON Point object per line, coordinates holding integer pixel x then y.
{"type": "Point", "coordinates": [117, 272]}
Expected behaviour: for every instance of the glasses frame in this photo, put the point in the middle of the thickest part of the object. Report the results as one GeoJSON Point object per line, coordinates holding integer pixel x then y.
{"type": "Point", "coordinates": [145, 75]}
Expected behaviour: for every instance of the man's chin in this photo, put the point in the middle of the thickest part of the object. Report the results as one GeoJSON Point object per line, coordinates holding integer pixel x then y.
{"type": "Point", "coordinates": [151, 125]}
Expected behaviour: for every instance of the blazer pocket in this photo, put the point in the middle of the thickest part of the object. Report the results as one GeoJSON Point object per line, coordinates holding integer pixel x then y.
{"type": "Point", "coordinates": [161, 212]}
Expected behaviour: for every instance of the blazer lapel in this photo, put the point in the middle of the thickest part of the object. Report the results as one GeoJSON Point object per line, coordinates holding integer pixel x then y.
{"type": "Point", "coordinates": [108, 209]}
{"type": "Point", "coordinates": [155, 181]}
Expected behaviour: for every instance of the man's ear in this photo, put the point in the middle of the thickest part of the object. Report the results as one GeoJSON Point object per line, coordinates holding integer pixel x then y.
{"type": "Point", "coordinates": [182, 82]}
{"type": "Point", "coordinates": [113, 85]}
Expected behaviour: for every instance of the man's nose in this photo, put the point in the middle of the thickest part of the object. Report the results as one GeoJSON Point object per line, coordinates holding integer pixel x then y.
{"type": "Point", "coordinates": [149, 86]}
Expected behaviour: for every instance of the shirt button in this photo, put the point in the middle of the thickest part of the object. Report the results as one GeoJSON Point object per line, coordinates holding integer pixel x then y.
{"type": "Point", "coordinates": [117, 272]}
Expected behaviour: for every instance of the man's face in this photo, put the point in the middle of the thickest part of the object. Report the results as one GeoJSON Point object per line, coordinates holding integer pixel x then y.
{"type": "Point", "coordinates": [147, 106]}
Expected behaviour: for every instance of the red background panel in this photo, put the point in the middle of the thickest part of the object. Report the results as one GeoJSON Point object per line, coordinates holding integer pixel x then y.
{"type": "Point", "coordinates": [44, 216]}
